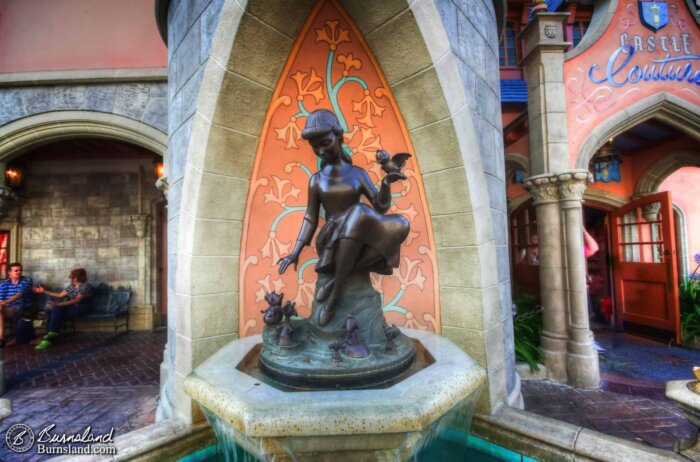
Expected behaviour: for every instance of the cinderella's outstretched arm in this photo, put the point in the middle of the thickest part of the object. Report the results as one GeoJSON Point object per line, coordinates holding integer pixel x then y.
{"type": "Point", "coordinates": [308, 227]}
{"type": "Point", "coordinates": [381, 200]}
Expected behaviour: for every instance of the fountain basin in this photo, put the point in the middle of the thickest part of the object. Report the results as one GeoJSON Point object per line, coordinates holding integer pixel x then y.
{"type": "Point", "coordinates": [681, 392]}
{"type": "Point", "coordinates": [368, 424]}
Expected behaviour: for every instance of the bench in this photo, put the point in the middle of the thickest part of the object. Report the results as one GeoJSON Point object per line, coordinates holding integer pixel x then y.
{"type": "Point", "coordinates": [109, 303]}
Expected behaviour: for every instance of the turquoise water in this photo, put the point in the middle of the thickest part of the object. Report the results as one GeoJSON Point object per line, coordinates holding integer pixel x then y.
{"type": "Point", "coordinates": [449, 446]}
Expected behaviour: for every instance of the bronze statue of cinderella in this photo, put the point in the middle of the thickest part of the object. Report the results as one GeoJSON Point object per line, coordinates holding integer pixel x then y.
{"type": "Point", "coordinates": [356, 237]}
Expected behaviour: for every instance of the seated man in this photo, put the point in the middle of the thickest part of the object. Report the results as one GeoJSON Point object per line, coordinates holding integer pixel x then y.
{"type": "Point", "coordinates": [15, 296]}
{"type": "Point", "coordinates": [78, 295]}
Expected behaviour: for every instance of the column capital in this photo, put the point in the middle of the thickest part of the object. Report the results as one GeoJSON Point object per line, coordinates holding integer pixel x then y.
{"type": "Point", "coordinates": [542, 188]}
{"type": "Point", "coordinates": [545, 33]}
{"type": "Point", "coordinates": [573, 184]}
{"type": "Point", "coordinates": [162, 186]}
{"type": "Point", "coordinates": [651, 211]}
{"type": "Point", "coordinates": [140, 222]}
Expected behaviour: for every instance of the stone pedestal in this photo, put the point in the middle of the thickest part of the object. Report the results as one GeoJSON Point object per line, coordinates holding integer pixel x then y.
{"type": "Point", "coordinates": [377, 424]}
{"type": "Point", "coordinates": [689, 402]}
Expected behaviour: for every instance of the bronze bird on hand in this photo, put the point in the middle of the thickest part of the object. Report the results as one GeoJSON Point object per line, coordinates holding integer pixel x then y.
{"type": "Point", "coordinates": [392, 164]}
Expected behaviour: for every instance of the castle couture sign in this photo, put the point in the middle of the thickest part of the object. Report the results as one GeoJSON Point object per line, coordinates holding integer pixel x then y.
{"type": "Point", "coordinates": [649, 47]}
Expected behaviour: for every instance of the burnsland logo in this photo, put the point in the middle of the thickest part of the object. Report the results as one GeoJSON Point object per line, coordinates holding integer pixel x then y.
{"type": "Point", "coordinates": [19, 438]}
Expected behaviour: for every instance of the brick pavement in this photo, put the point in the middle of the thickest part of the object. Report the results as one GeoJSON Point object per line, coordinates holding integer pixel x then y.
{"type": "Point", "coordinates": [635, 413]}
{"type": "Point", "coordinates": [83, 380]}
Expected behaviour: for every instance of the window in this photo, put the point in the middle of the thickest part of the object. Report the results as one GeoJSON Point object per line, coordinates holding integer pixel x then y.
{"type": "Point", "coordinates": [578, 31]}
{"type": "Point", "coordinates": [640, 235]}
{"type": "Point", "coordinates": [524, 239]}
{"type": "Point", "coordinates": [508, 48]}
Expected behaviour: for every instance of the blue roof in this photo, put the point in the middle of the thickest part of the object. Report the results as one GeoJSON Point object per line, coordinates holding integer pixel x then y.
{"type": "Point", "coordinates": [513, 91]}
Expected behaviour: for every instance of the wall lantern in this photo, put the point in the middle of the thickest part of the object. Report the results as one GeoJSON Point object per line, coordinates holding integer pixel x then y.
{"type": "Point", "coordinates": [158, 168]}
{"type": "Point", "coordinates": [606, 163]}
{"type": "Point", "coordinates": [14, 174]}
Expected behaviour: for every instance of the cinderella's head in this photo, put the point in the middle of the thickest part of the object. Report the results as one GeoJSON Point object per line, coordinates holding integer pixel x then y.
{"type": "Point", "coordinates": [324, 133]}
{"type": "Point", "coordinates": [321, 122]}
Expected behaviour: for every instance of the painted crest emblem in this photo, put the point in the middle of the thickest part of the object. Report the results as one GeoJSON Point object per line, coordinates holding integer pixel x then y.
{"type": "Point", "coordinates": [653, 14]}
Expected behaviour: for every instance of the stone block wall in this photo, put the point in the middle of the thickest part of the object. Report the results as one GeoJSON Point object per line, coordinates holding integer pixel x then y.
{"type": "Point", "coordinates": [191, 28]}
{"type": "Point", "coordinates": [478, 67]}
{"type": "Point", "coordinates": [141, 101]}
{"type": "Point", "coordinates": [80, 220]}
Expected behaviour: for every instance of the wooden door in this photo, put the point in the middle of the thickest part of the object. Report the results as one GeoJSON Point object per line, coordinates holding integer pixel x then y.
{"type": "Point", "coordinates": [644, 269]}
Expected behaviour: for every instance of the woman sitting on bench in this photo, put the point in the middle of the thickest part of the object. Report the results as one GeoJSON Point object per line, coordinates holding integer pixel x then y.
{"type": "Point", "coordinates": [79, 303]}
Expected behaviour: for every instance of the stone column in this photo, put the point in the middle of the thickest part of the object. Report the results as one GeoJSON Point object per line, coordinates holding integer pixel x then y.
{"type": "Point", "coordinates": [543, 52]}
{"type": "Point", "coordinates": [543, 188]}
{"type": "Point", "coordinates": [581, 356]}
{"type": "Point", "coordinates": [141, 314]}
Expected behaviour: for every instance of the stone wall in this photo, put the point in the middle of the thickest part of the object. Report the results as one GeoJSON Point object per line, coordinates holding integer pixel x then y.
{"type": "Point", "coordinates": [144, 102]}
{"type": "Point", "coordinates": [69, 220]}
{"type": "Point", "coordinates": [479, 72]}
{"type": "Point", "coordinates": [191, 27]}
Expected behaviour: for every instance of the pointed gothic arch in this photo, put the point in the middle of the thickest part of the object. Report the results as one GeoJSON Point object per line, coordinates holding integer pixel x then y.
{"type": "Point", "coordinates": [249, 49]}
{"type": "Point", "coordinates": [29, 132]}
{"type": "Point", "coordinates": [663, 106]}
{"type": "Point", "coordinates": [652, 178]}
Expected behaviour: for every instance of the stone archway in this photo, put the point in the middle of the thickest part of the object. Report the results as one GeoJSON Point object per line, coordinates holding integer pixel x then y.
{"type": "Point", "coordinates": [516, 162]}
{"type": "Point", "coordinates": [606, 199]}
{"type": "Point", "coordinates": [29, 132]}
{"type": "Point", "coordinates": [250, 47]}
{"type": "Point", "coordinates": [652, 178]}
{"type": "Point", "coordinates": [668, 108]}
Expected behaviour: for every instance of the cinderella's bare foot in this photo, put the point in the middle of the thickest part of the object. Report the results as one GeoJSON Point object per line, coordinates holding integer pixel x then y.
{"type": "Point", "coordinates": [325, 316]}
{"type": "Point", "coordinates": [325, 290]}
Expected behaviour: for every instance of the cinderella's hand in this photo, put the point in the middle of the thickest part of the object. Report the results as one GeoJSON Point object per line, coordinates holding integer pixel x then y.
{"type": "Point", "coordinates": [394, 177]}
{"type": "Point", "coordinates": [286, 261]}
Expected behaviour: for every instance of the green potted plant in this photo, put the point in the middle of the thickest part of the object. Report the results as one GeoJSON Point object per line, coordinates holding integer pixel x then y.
{"type": "Point", "coordinates": [689, 295]}
{"type": "Point", "coordinates": [527, 326]}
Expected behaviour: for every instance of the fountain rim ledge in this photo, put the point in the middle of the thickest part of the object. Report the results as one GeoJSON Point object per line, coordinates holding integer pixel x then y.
{"type": "Point", "coordinates": [264, 411]}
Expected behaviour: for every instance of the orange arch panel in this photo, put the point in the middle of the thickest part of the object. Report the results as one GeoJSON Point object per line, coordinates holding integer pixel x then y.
{"type": "Point", "coordinates": [330, 67]}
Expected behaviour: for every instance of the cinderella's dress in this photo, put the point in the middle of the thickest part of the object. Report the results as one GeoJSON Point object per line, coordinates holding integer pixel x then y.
{"type": "Point", "coordinates": [349, 218]}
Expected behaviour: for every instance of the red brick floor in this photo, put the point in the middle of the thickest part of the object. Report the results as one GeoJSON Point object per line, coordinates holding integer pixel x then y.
{"type": "Point", "coordinates": [83, 380]}
{"type": "Point", "coordinates": [635, 413]}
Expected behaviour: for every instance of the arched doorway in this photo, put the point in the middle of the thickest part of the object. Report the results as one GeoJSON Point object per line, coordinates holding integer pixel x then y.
{"type": "Point", "coordinates": [89, 202]}
{"type": "Point", "coordinates": [72, 149]}
{"type": "Point", "coordinates": [639, 239]}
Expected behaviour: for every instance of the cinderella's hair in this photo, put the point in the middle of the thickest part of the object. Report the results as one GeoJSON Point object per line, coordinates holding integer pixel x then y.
{"type": "Point", "coordinates": [321, 122]}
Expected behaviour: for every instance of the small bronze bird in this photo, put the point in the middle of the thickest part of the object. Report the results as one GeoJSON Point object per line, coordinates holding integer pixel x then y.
{"type": "Point", "coordinates": [392, 164]}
